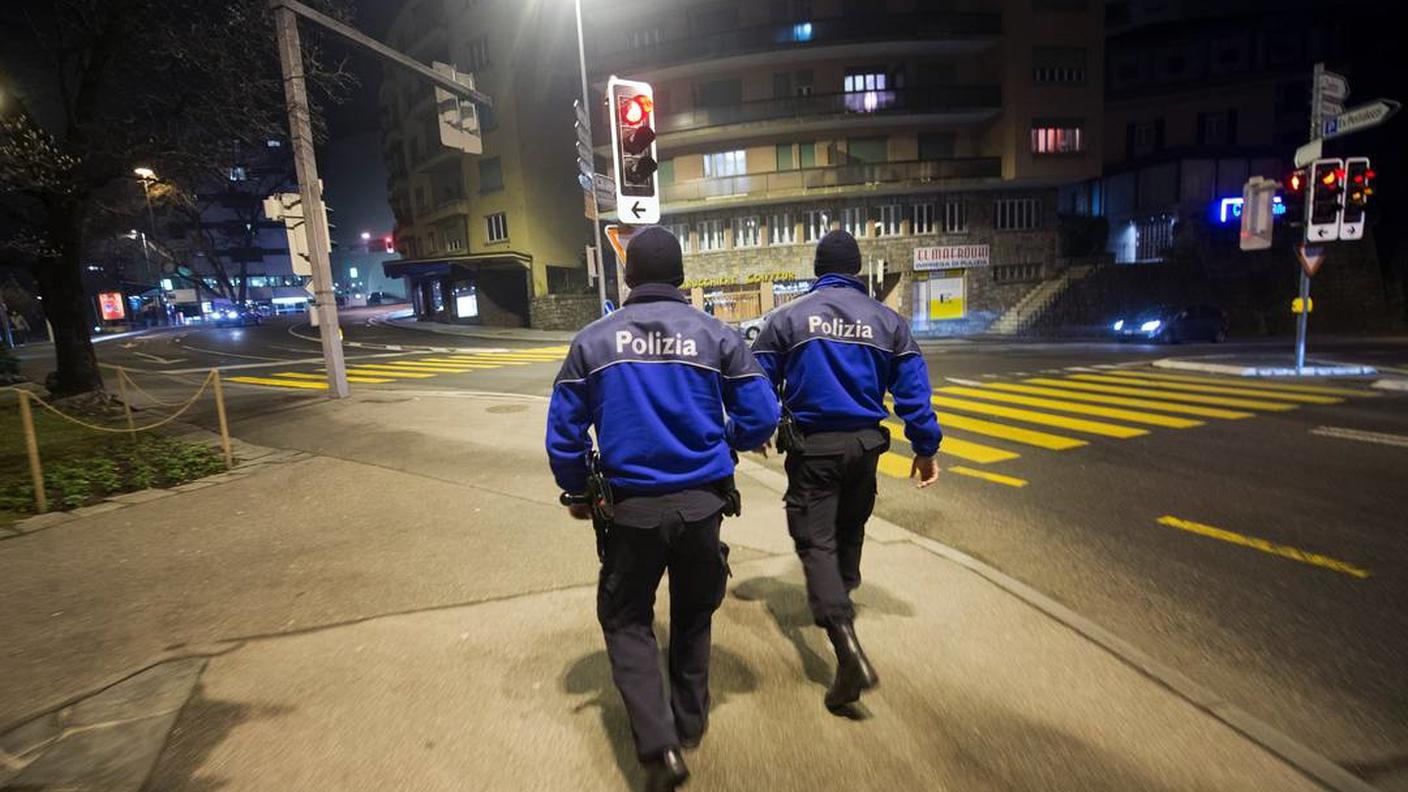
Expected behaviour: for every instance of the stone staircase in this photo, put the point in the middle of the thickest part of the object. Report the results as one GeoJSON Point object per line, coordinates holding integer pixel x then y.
{"type": "Point", "coordinates": [1028, 309]}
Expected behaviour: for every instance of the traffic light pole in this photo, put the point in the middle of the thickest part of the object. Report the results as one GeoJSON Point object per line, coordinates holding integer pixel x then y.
{"type": "Point", "coordinates": [596, 207]}
{"type": "Point", "coordinates": [301, 135]}
{"type": "Point", "coordinates": [1303, 318]}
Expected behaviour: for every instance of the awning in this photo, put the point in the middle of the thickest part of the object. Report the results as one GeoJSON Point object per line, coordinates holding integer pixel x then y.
{"type": "Point", "coordinates": [444, 265]}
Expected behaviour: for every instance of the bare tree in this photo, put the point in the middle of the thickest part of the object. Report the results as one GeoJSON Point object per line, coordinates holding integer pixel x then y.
{"type": "Point", "coordinates": [90, 89]}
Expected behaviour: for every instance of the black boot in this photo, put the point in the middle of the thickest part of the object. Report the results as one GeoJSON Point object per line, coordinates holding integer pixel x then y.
{"type": "Point", "coordinates": [666, 771]}
{"type": "Point", "coordinates": [853, 670]}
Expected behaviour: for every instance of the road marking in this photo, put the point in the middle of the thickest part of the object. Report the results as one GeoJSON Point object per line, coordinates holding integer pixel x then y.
{"type": "Point", "coordinates": [279, 383]}
{"type": "Point", "coordinates": [1084, 368]}
{"type": "Point", "coordinates": [388, 373]}
{"type": "Point", "coordinates": [1247, 382]}
{"type": "Point", "coordinates": [458, 359]}
{"type": "Point", "coordinates": [1029, 436]}
{"type": "Point", "coordinates": [1221, 401]}
{"type": "Point", "coordinates": [1185, 409]}
{"type": "Point", "coordinates": [324, 377]}
{"type": "Point", "coordinates": [1265, 546]}
{"type": "Point", "coordinates": [380, 367]}
{"type": "Point", "coordinates": [458, 363]}
{"type": "Point", "coordinates": [895, 465]}
{"type": "Point", "coordinates": [444, 368]}
{"type": "Point", "coordinates": [996, 478]}
{"type": "Point", "coordinates": [1345, 433]}
{"type": "Point", "coordinates": [962, 449]}
{"type": "Point", "coordinates": [521, 358]}
{"type": "Point", "coordinates": [1125, 379]}
{"type": "Point", "coordinates": [963, 381]}
{"type": "Point", "coordinates": [1061, 421]}
{"type": "Point", "coordinates": [1084, 409]}
{"type": "Point", "coordinates": [158, 359]}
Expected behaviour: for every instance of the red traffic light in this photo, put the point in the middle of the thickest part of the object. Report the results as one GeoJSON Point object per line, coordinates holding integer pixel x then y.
{"type": "Point", "coordinates": [1297, 181]}
{"type": "Point", "coordinates": [636, 110]}
{"type": "Point", "coordinates": [1331, 177]}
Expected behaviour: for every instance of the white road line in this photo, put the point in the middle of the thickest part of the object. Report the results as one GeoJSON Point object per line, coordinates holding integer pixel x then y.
{"type": "Point", "coordinates": [1343, 433]}
{"type": "Point", "coordinates": [1082, 368]}
{"type": "Point", "coordinates": [968, 382]}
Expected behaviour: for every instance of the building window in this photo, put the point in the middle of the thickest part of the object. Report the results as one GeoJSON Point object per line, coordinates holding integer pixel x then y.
{"type": "Point", "coordinates": [853, 220]}
{"type": "Point", "coordinates": [745, 232]}
{"type": "Point", "coordinates": [1217, 129]}
{"type": "Point", "coordinates": [1057, 138]}
{"type": "Point", "coordinates": [867, 91]}
{"type": "Point", "coordinates": [1016, 214]}
{"type": "Point", "coordinates": [478, 54]}
{"type": "Point", "coordinates": [802, 83]}
{"type": "Point", "coordinates": [711, 235]}
{"type": "Point", "coordinates": [806, 154]}
{"type": "Point", "coordinates": [1145, 138]}
{"type": "Point", "coordinates": [782, 230]}
{"type": "Point", "coordinates": [681, 232]}
{"type": "Point", "coordinates": [497, 225]}
{"type": "Point", "coordinates": [784, 157]}
{"type": "Point", "coordinates": [923, 219]}
{"type": "Point", "coordinates": [491, 174]}
{"type": "Point", "coordinates": [643, 37]}
{"type": "Point", "coordinates": [725, 163]}
{"type": "Point", "coordinates": [955, 217]}
{"type": "Point", "coordinates": [890, 216]}
{"type": "Point", "coordinates": [1016, 273]}
{"type": "Point", "coordinates": [420, 199]}
{"type": "Point", "coordinates": [1058, 65]}
{"type": "Point", "coordinates": [237, 173]}
{"type": "Point", "coordinates": [815, 224]}
{"type": "Point", "coordinates": [454, 244]}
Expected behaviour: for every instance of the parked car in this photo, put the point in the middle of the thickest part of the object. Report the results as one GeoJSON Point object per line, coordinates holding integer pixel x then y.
{"type": "Point", "coordinates": [1170, 325]}
{"type": "Point", "coordinates": [750, 328]}
{"type": "Point", "coordinates": [384, 298]}
{"type": "Point", "coordinates": [235, 316]}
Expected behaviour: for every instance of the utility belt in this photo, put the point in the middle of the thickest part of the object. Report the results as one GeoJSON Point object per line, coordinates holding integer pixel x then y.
{"type": "Point", "coordinates": [792, 440]}
{"type": "Point", "coordinates": [602, 498]}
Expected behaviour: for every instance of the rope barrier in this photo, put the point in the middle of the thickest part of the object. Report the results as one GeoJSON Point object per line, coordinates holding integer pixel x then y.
{"type": "Point", "coordinates": [184, 407]}
{"type": "Point", "coordinates": [128, 377]}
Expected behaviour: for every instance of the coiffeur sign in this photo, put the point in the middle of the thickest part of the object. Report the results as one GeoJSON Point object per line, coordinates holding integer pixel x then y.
{"type": "Point", "coordinates": [942, 257]}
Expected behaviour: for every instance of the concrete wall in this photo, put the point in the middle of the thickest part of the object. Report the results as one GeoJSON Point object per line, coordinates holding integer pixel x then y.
{"type": "Point", "coordinates": [563, 311]}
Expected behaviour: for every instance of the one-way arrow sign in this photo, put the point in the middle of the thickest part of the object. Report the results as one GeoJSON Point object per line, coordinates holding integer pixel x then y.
{"type": "Point", "coordinates": [1361, 117]}
{"type": "Point", "coordinates": [637, 209]}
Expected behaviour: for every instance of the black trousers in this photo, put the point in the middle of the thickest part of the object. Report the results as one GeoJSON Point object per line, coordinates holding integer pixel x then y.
{"type": "Point", "coordinates": [830, 494]}
{"type": "Point", "coordinates": [686, 542]}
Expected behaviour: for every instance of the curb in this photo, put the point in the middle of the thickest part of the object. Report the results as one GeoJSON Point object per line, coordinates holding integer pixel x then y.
{"type": "Point", "coordinates": [1303, 758]}
{"type": "Point", "coordinates": [1393, 384]}
{"type": "Point", "coordinates": [1238, 370]}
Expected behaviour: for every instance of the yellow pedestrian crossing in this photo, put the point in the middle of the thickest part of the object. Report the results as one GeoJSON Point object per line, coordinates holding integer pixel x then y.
{"type": "Point", "coordinates": [959, 448]}
{"type": "Point", "coordinates": [324, 377]}
{"type": "Point", "coordinates": [1097, 398]}
{"type": "Point", "coordinates": [1244, 382]}
{"type": "Point", "coordinates": [394, 374]}
{"type": "Point", "coordinates": [383, 370]}
{"type": "Point", "coordinates": [279, 383]}
{"type": "Point", "coordinates": [1155, 393]}
{"type": "Point", "coordinates": [1121, 379]}
{"type": "Point", "coordinates": [1046, 419]}
{"type": "Point", "coordinates": [1017, 434]}
{"type": "Point", "coordinates": [1085, 409]}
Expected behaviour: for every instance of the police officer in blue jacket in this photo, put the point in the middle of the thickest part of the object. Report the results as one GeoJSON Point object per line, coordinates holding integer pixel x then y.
{"type": "Point", "coordinates": [672, 393]}
{"type": "Point", "coordinates": [832, 354]}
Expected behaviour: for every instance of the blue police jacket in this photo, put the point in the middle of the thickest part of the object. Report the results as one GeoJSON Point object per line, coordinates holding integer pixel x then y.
{"type": "Point", "coordinates": [835, 351]}
{"type": "Point", "coordinates": [670, 391]}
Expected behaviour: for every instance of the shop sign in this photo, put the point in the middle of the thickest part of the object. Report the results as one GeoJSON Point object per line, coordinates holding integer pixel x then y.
{"type": "Point", "coordinates": [110, 303]}
{"type": "Point", "coordinates": [942, 257]}
{"type": "Point", "coordinates": [752, 277]}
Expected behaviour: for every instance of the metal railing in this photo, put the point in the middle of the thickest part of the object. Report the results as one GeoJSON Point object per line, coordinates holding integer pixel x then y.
{"type": "Point", "coordinates": [926, 99]}
{"type": "Point", "coordinates": [802, 180]}
{"type": "Point", "coordinates": [818, 32]}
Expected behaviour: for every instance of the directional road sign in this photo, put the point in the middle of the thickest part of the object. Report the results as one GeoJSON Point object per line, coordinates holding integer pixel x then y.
{"type": "Point", "coordinates": [1333, 86]}
{"type": "Point", "coordinates": [1357, 118]}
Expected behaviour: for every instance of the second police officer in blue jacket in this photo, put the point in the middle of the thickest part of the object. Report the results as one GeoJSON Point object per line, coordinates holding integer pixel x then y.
{"type": "Point", "coordinates": [671, 393]}
{"type": "Point", "coordinates": [833, 353]}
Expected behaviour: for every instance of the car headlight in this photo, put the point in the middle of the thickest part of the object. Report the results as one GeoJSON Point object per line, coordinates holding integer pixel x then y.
{"type": "Point", "coordinates": [1119, 325]}
{"type": "Point", "coordinates": [1151, 325]}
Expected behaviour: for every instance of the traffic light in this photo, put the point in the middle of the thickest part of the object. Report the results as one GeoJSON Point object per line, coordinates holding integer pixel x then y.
{"type": "Point", "coordinates": [1359, 185]}
{"type": "Point", "coordinates": [1326, 200]}
{"type": "Point", "coordinates": [632, 107]}
{"type": "Point", "coordinates": [389, 243]}
{"type": "Point", "coordinates": [1294, 196]}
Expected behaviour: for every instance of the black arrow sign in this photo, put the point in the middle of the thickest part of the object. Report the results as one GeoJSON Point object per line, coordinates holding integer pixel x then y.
{"type": "Point", "coordinates": [637, 209]}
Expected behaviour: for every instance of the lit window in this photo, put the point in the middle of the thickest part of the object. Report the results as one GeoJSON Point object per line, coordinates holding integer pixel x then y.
{"type": "Point", "coordinates": [802, 31]}
{"type": "Point", "coordinates": [237, 173]}
{"type": "Point", "coordinates": [853, 220]}
{"type": "Point", "coordinates": [497, 227]}
{"type": "Point", "coordinates": [725, 163]}
{"type": "Point", "coordinates": [745, 232]}
{"type": "Point", "coordinates": [923, 219]}
{"type": "Point", "coordinates": [274, 143]}
{"type": "Point", "coordinates": [711, 235]}
{"type": "Point", "coordinates": [1057, 140]}
{"type": "Point", "coordinates": [782, 230]}
{"type": "Point", "coordinates": [890, 216]}
{"type": "Point", "coordinates": [868, 92]}
{"type": "Point", "coordinates": [815, 224]}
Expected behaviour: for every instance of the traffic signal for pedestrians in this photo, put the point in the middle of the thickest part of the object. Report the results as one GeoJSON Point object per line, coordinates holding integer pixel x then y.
{"type": "Point", "coordinates": [1359, 185]}
{"type": "Point", "coordinates": [1326, 200]}
{"type": "Point", "coordinates": [632, 116]}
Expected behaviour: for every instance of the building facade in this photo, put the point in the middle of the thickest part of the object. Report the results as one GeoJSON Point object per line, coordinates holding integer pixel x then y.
{"type": "Point", "coordinates": [937, 133]}
{"type": "Point", "coordinates": [482, 236]}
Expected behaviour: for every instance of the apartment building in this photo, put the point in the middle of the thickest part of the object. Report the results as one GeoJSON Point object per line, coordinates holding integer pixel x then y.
{"type": "Point", "coordinates": [482, 236]}
{"type": "Point", "coordinates": [938, 132]}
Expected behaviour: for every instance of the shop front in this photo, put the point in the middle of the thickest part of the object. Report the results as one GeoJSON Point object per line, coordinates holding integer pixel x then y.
{"type": "Point", "coordinates": [747, 296]}
{"type": "Point", "coordinates": [488, 290]}
{"type": "Point", "coordinates": [940, 287]}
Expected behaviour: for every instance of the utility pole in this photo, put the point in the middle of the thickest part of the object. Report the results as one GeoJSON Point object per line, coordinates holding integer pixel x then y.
{"type": "Point", "coordinates": [596, 207]}
{"type": "Point", "coordinates": [301, 135]}
{"type": "Point", "coordinates": [1302, 319]}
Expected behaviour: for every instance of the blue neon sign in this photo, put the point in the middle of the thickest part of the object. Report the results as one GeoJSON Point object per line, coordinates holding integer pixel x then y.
{"type": "Point", "coordinates": [1230, 209]}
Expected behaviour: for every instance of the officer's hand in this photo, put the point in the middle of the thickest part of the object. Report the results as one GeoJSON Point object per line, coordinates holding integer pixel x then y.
{"type": "Point", "coordinates": [926, 469]}
{"type": "Point", "coordinates": [580, 511]}
{"type": "Point", "coordinates": [763, 449]}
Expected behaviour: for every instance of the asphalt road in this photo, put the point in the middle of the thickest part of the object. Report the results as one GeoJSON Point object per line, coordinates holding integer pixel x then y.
{"type": "Point", "coordinates": [1242, 533]}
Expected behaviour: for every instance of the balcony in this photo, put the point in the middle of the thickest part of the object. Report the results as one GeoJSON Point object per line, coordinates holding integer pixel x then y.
{"type": "Point", "coordinates": [928, 28]}
{"type": "Point", "coordinates": [809, 182]}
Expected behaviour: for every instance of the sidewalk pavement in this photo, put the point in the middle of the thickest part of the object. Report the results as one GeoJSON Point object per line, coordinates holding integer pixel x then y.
{"type": "Point", "coordinates": [480, 331]}
{"type": "Point", "coordinates": [401, 604]}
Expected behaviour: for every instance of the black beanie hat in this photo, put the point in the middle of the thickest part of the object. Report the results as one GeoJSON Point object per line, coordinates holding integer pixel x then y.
{"type": "Point", "coordinates": [653, 256]}
{"type": "Point", "coordinates": [837, 252]}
